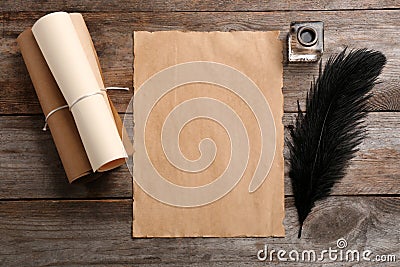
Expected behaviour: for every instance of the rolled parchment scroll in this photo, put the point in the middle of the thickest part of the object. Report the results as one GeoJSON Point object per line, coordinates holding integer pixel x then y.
{"type": "Point", "coordinates": [88, 135]}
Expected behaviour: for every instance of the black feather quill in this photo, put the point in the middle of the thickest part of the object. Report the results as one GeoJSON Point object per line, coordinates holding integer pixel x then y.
{"type": "Point", "coordinates": [326, 136]}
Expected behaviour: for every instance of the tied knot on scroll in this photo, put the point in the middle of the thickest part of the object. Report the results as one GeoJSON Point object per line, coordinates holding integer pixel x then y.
{"type": "Point", "coordinates": [80, 99]}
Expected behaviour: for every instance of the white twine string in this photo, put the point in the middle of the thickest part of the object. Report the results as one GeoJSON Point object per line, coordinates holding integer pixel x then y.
{"type": "Point", "coordinates": [80, 99]}
{"type": "Point", "coordinates": [51, 113]}
{"type": "Point", "coordinates": [83, 97]}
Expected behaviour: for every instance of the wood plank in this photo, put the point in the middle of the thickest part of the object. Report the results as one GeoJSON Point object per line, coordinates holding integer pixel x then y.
{"type": "Point", "coordinates": [1, 23]}
{"type": "Point", "coordinates": [181, 5]}
{"type": "Point", "coordinates": [386, 99]}
{"type": "Point", "coordinates": [30, 167]}
{"type": "Point", "coordinates": [112, 34]}
{"type": "Point", "coordinates": [83, 233]}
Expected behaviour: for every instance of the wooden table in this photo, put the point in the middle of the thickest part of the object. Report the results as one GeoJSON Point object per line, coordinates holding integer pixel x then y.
{"type": "Point", "coordinates": [46, 222]}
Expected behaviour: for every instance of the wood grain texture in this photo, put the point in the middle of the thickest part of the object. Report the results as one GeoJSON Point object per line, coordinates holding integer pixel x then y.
{"type": "Point", "coordinates": [193, 5]}
{"type": "Point", "coordinates": [30, 167]}
{"type": "Point", "coordinates": [386, 99]}
{"type": "Point", "coordinates": [83, 233]}
{"type": "Point", "coordinates": [112, 35]}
